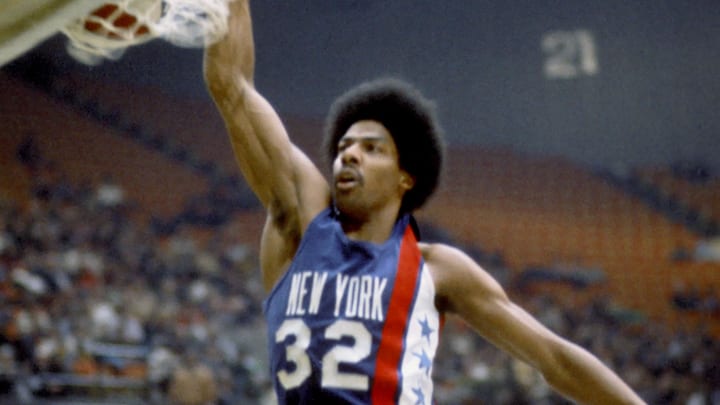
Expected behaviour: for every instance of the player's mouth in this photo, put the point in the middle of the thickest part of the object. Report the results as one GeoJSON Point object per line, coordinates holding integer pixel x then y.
{"type": "Point", "coordinates": [347, 179]}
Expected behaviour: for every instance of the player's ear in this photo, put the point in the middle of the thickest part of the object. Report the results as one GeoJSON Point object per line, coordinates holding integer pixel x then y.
{"type": "Point", "coordinates": [407, 181]}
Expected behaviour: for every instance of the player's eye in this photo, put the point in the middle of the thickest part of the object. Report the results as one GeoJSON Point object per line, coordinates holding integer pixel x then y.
{"type": "Point", "coordinates": [371, 147]}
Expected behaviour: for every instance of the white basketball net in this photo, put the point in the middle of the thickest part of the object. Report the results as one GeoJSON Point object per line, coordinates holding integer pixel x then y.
{"type": "Point", "coordinates": [106, 32]}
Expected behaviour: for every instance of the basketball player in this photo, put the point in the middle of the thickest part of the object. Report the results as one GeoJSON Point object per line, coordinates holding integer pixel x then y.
{"type": "Point", "coordinates": [355, 301]}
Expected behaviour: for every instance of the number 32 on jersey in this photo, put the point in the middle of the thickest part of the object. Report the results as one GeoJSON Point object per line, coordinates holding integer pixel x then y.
{"type": "Point", "coordinates": [298, 334]}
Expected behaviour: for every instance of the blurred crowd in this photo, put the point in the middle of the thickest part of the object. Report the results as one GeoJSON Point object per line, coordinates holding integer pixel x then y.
{"type": "Point", "coordinates": [87, 292]}
{"type": "Point", "coordinates": [664, 366]}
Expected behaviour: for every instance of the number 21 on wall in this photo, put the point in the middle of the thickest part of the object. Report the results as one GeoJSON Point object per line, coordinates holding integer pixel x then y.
{"type": "Point", "coordinates": [569, 54]}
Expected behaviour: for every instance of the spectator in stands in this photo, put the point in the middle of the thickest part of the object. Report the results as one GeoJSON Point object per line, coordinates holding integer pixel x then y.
{"type": "Point", "coordinates": [708, 250]}
{"type": "Point", "coordinates": [109, 193]}
{"type": "Point", "coordinates": [28, 153]}
{"type": "Point", "coordinates": [193, 382]}
{"type": "Point", "coordinates": [8, 369]}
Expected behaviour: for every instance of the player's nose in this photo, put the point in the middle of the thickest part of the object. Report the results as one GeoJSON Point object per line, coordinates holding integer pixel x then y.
{"type": "Point", "coordinates": [350, 154]}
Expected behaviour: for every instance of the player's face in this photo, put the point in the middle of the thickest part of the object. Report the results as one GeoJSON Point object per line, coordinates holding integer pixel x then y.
{"type": "Point", "coordinates": [366, 173]}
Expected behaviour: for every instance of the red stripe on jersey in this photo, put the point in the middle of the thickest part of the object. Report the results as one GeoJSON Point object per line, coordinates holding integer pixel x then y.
{"type": "Point", "coordinates": [385, 386]}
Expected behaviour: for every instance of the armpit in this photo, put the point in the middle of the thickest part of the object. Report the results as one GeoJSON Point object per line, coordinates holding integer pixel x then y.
{"type": "Point", "coordinates": [286, 222]}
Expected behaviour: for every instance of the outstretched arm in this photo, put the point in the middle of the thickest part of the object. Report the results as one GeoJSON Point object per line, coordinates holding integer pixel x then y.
{"type": "Point", "coordinates": [287, 183]}
{"type": "Point", "coordinates": [466, 289]}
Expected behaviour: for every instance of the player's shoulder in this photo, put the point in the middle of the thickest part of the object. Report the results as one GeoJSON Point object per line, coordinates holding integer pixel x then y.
{"type": "Point", "coordinates": [442, 254]}
{"type": "Point", "coordinates": [453, 270]}
{"type": "Point", "coordinates": [445, 262]}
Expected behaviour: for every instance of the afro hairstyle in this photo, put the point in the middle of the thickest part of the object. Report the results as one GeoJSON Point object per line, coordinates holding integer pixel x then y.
{"type": "Point", "coordinates": [411, 120]}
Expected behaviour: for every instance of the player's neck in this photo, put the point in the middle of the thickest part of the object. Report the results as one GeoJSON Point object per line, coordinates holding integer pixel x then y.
{"type": "Point", "coordinates": [375, 227]}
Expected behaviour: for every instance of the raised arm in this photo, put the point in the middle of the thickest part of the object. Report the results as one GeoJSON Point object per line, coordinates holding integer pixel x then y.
{"type": "Point", "coordinates": [287, 183]}
{"type": "Point", "coordinates": [466, 289]}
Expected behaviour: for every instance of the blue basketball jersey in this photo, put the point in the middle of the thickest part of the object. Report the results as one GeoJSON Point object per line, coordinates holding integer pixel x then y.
{"type": "Point", "coordinates": [353, 322]}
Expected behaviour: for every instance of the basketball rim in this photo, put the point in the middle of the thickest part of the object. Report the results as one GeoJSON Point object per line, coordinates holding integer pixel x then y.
{"type": "Point", "coordinates": [24, 24]}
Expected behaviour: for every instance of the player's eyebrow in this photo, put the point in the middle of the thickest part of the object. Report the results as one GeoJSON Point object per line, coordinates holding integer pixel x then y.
{"type": "Point", "coordinates": [363, 138]}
